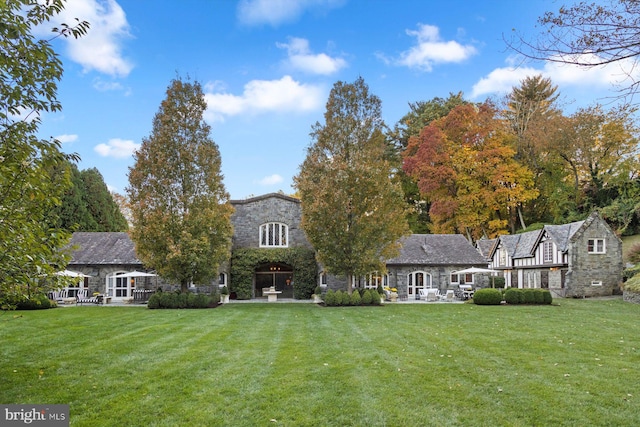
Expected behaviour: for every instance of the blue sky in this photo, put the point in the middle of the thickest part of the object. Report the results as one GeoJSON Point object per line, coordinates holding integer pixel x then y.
{"type": "Point", "coordinates": [267, 67]}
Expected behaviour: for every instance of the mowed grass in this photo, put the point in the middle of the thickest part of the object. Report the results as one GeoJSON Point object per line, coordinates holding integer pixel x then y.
{"type": "Point", "coordinates": [575, 363]}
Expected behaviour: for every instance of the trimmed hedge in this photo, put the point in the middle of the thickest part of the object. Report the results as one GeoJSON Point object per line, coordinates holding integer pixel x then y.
{"type": "Point", "coordinates": [528, 296]}
{"type": "Point", "coordinates": [357, 298]}
{"type": "Point", "coordinates": [488, 296]}
{"type": "Point", "coordinates": [180, 300]}
{"type": "Point", "coordinates": [36, 302]}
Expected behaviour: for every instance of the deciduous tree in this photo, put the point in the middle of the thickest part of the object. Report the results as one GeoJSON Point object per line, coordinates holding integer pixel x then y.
{"type": "Point", "coordinates": [33, 172]}
{"type": "Point", "coordinates": [353, 212]}
{"type": "Point", "coordinates": [179, 205]}
{"type": "Point", "coordinates": [464, 165]}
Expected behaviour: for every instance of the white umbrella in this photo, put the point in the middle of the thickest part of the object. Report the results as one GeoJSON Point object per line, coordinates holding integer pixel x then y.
{"type": "Point", "coordinates": [69, 273]}
{"type": "Point", "coordinates": [136, 274]}
{"type": "Point", "coordinates": [474, 270]}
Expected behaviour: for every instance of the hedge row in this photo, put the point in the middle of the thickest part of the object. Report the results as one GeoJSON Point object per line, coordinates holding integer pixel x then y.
{"type": "Point", "coordinates": [357, 297]}
{"type": "Point", "coordinates": [36, 302]}
{"type": "Point", "coordinates": [180, 300]}
{"type": "Point", "coordinates": [527, 296]}
{"type": "Point", "coordinates": [492, 296]}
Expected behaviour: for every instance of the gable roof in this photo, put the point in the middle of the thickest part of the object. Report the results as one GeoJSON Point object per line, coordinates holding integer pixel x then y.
{"type": "Point", "coordinates": [485, 247]}
{"type": "Point", "coordinates": [437, 249]}
{"type": "Point", "coordinates": [264, 197]}
{"type": "Point", "coordinates": [561, 234]}
{"type": "Point", "coordinates": [91, 248]}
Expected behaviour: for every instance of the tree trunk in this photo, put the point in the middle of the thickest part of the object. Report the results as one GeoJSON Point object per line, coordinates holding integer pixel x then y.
{"type": "Point", "coordinates": [184, 286]}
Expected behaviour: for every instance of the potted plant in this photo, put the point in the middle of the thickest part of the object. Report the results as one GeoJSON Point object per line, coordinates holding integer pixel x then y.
{"type": "Point", "coordinates": [224, 295]}
{"type": "Point", "coordinates": [317, 295]}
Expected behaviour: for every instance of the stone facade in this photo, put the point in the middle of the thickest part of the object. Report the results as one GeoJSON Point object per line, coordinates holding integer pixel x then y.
{"type": "Point", "coordinates": [251, 213]}
{"type": "Point", "coordinates": [594, 274]}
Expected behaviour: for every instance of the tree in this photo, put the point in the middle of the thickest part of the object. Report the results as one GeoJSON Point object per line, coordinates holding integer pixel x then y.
{"type": "Point", "coordinates": [600, 151]}
{"type": "Point", "coordinates": [179, 206]}
{"type": "Point", "coordinates": [353, 212]}
{"type": "Point", "coordinates": [464, 166]}
{"type": "Point", "coordinates": [420, 115]}
{"type": "Point", "coordinates": [531, 112]}
{"type": "Point", "coordinates": [100, 203]}
{"type": "Point", "coordinates": [33, 172]}
{"type": "Point", "coordinates": [589, 35]}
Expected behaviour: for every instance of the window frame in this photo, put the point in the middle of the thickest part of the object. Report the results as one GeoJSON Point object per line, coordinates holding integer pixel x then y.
{"type": "Point", "coordinates": [547, 251]}
{"type": "Point", "coordinates": [593, 246]}
{"type": "Point", "coordinates": [273, 235]}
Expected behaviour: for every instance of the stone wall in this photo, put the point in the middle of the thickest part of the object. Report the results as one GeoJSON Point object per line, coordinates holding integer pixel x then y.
{"type": "Point", "coordinates": [633, 297]}
{"type": "Point", "coordinates": [586, 268]}
{"type": "Point", "coordinates": [250, 214]}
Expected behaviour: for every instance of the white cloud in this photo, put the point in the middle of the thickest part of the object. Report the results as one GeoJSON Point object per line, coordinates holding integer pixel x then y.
{"type": "Point", "coordinates": [276, 12]}
{"type": "Point", "coordinates": [261, 96]}
{"type": "Point", "coordinates": [431, 49]}
{"type": "Point", "coordinates": [105, 86]}
{"type": "Point", "coordinates": [502, 80]}
{"type": "Point", "coordinates": [116, 147]}
{"type": "Point", "coordinates": [301, 58]}
{"type": "Point", "coordinates": [67, 138]}
{"type": "Point", "coordinates": [100, 49]}
{"type": "Point", "coordinates": [271, 180]}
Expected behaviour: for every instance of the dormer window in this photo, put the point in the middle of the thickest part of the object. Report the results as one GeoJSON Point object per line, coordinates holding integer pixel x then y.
{"type": "Point", "coordinates": [274, 235]}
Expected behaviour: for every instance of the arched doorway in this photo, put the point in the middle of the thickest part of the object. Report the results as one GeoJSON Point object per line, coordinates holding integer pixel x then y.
{"type": "Point", "coordinates": [275, 274]}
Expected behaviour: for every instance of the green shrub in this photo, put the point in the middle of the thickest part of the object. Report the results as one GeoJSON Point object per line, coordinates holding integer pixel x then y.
{"type": "Point", "coordinates": [356, 299]}
{"type": "Point", "coordinates": [330, 298]}
{"type": "Point", "coordinates": [633, 284]}
{"type": "Point", "coordinates": [512, 296]}
{"type": "Point", "coordinates": [487, 296]}
{"type": "Point", "coordinates": [346, 298]}
{"type": "Point", "coordinates": [36, 302]}
{"type": "Point", "coordinates": [318, 290]}
{"type": "Point", "coordinates": [547, 298]}
{"type": "Point", "coordinates": [375, 297]}
{"type": "Point", "coordinates": [538, 298]}
{"type": "Point", "coordinates": [527, 297]}
{"type": "Point", "coordinates": [367, 297]}
{"type": "Point", "coordinates": [179, 300]}
{"type": "Point", "coordinates": [498, 282]}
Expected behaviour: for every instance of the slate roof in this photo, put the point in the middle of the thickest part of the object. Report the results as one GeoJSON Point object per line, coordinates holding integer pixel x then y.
{"type": "Point", "coordinates": [524, 245]}
{"type": "Point", "coordinates": [102, 248]}
{"type": "Point", "coordinates": [438, 249]}
{"type": "Point", "coordinates": [485, 246]}
{"type": "Point", "coordinates": [263, 197]}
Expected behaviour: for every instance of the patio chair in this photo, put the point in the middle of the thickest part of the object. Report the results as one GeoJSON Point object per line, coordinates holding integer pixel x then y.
{"type": "Point", "coordinates": [82, 298]}
{"type": "Point", "coordinates": [433, 294]}
{"type": "Point", "coordinates": [449, 296]}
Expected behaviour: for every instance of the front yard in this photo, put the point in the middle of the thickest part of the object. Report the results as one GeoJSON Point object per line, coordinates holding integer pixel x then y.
{"type": "Point", "coordinates": [574, 363]}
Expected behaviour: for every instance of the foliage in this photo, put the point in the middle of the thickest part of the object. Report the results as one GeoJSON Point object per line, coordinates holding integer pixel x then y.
{"type": "Point", "coordinates": [88, 205]}
{"type": "Point", "coordinates": [244, 262]}
{"type": "Point", "coordinates": [464, 165]}
{"type": "Point", "coordinates": [367, 297]}
{"type": "Point", "coordinates": [498, 281]}
{"type": "Point", "coordinates": [589, 35]}
{"type": "Point", "coordinates": [488, 296]}
{"type": "Point", "coordinates": [352, 207]}
{"type": "Point", "coordinates": [633, 284]}
{"type": "Point", "coordinates": [224, 291]}
{"type": "Point", "coordinates": [330, 298]}
{"type": "Point", "coordinates": [36, 302]}
{"type": "Point", "coordinates": [180, 300]}
{"type": "Point", "coordinates": [180, 208]}
{"type": "Point", "coordinates": [527, 296]}
{"type": "Point", "coordinates": [34, 173]}
{"type": "Point", "coordinates": [318, 290]}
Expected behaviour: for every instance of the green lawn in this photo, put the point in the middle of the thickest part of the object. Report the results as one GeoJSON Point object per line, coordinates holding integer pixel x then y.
{"type": "Point", "coordinates": [575, 363]}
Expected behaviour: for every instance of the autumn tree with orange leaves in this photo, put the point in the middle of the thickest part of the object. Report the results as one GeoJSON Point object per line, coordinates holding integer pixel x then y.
{"type": "Point", "coordinates": [465, 167]}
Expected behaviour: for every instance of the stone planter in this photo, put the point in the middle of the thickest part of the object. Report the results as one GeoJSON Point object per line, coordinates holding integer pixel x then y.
{"type": "Point", "coordinates": [224, 299]}
{"type": "Point", "coordinates": [317, 299]}
{"type": "Point", "coordinates": [393, 297]}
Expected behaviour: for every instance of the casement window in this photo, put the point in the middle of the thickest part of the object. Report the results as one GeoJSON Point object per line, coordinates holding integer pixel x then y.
{"type": "Point", "coordinates": [547, 251]}
{"type": "Point", "coordinates": [274, 235]}
{"type": "Point", "coordinates": [596, 246]}
{"type": "Point", "coordinates": [222, 279]}
{"type": "Point", "coordinates": [370, 281]}
{"type": "Point", "coordinates": [502, 256]}
{"type": "Point", "coordinates": [323, 279]}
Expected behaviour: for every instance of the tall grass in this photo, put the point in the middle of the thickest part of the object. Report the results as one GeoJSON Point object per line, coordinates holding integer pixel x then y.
{"type": "Point", "coordinates": [574, 363]}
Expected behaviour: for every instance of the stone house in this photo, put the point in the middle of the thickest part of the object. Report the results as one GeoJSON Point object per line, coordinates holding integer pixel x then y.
{"type": "Point", "coordinates": [101, 256]}
{"type": "Point", "coordinates": [273, 221]}
{"type": "Point", "coordinates": [578, 259]}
